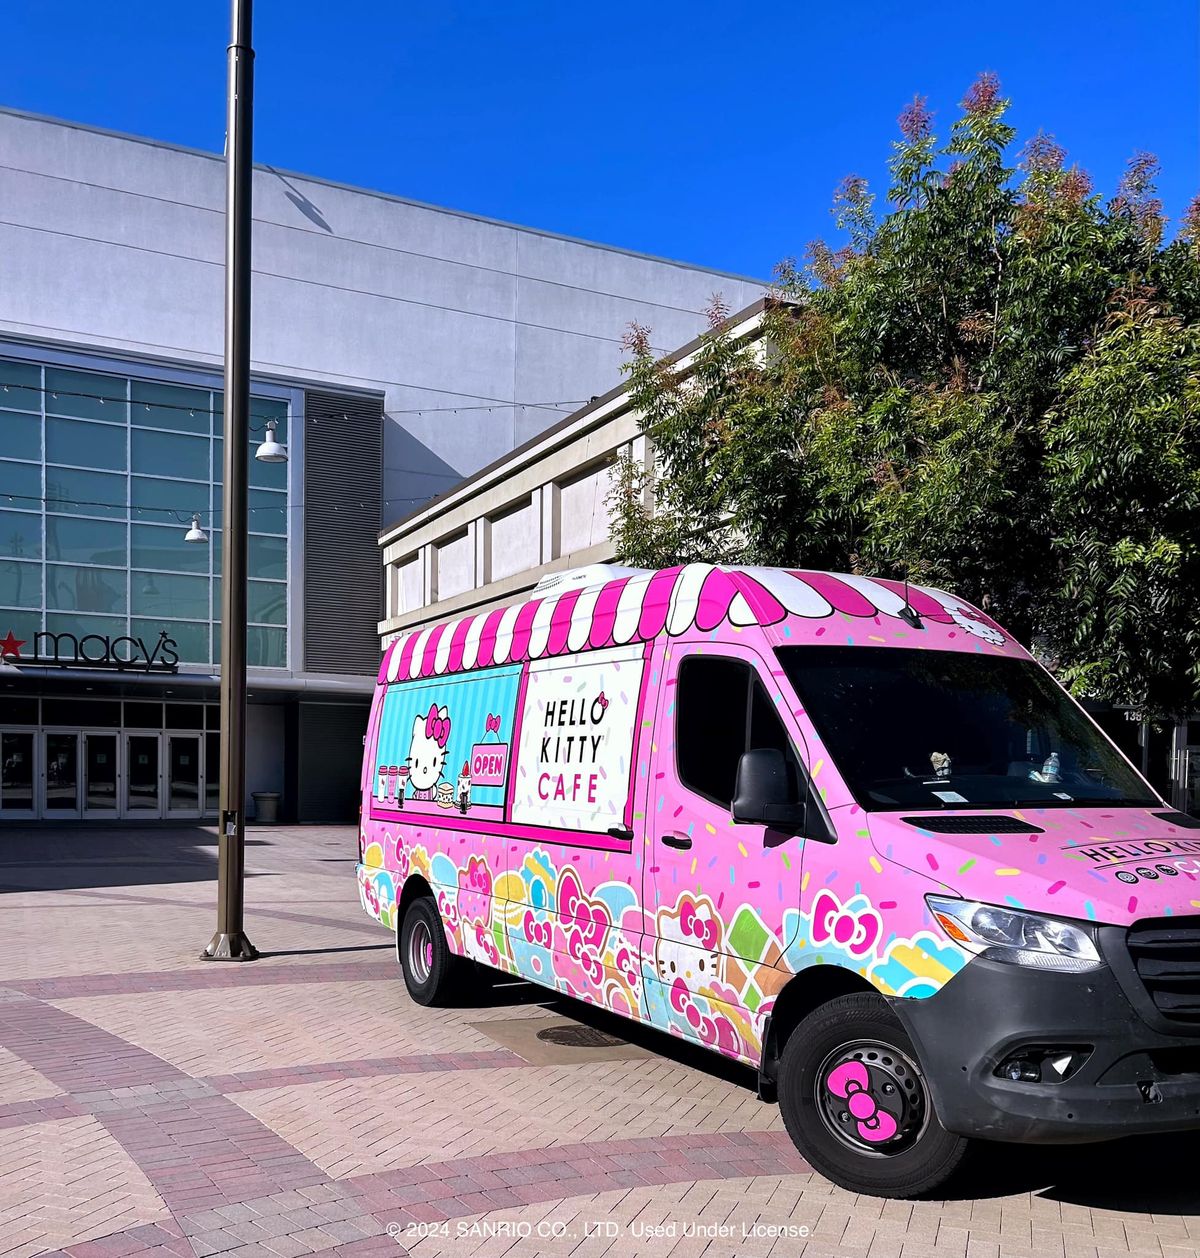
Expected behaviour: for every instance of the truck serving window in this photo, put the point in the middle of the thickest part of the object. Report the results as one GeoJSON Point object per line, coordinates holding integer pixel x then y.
{"type": "Point", "coordinates": [939, 729]}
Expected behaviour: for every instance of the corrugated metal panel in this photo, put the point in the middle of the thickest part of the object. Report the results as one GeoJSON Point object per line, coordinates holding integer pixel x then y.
{"type": "Point", "coordinates": [330, 760]}
{"type": "Point", "coordinates": [343, 575]}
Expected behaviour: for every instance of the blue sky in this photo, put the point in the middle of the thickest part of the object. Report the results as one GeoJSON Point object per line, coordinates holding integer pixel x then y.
{"type": "Point", "coordinates": [709, 132]}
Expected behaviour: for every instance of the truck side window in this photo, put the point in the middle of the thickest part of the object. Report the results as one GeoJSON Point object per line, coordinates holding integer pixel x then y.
{"type": "Point", "coordinates": [721, 710]}
{"type": "Point", "coordinates": [766, 729]}
{"type": "Point", "coordinates": [710, 724]}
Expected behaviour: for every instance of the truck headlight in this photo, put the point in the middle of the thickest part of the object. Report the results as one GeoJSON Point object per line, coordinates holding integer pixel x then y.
{"type": "Point", "coordinates": [997, 934]}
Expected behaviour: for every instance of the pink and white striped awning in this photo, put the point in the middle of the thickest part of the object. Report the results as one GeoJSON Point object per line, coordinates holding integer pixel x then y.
{"type": "Point", "coordinates": [636, 608]}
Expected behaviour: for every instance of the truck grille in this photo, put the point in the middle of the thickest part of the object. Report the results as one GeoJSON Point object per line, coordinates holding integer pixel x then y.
{"type": "Point", "coordinates": [1166, 955]}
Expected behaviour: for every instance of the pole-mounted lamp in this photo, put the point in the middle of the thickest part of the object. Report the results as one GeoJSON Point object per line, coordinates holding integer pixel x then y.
{"type": "Point", "coordinates": [230, 942]}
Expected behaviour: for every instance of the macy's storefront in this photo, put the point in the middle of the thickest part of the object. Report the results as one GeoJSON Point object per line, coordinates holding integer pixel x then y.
{"type": "Point", "coordinates": [104, 727]}
{"type": "Point", "coordinates": [109, 728]}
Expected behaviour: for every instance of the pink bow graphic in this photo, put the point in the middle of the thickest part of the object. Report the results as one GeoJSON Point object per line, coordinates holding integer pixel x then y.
{"type": "Point", "coordinates": [602, 701]}
{"type": "Point", "coordinates": [436, 727]}
{"type": "Point", "coordinates": [493, 725]}
{"type": "Point", "coordinates": [591, 917]}
{"type": "Point", "coordinates": [703, 930]}
{"type": "Point", "coordinates": [857, 930]}
{"type": "Point", "coordinates": [537, 932]}
{"type": "Point", "coordinates": [479, 876]}
{"type": "Point", "coordinates": [850, 1080]}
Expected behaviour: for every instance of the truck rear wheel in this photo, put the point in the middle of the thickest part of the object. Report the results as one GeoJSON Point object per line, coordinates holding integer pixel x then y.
{"type": "Point", "coordinates": [856, 1104]}
{"type": "Point", "coordinates": [431, 971]}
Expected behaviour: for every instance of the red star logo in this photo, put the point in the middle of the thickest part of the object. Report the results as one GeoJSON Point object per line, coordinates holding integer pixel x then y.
{"type": "Point", "coordinates": [11, 646]}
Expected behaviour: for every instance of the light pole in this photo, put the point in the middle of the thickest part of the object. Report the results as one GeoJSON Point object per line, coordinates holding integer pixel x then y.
{"type": "Point", "coordinates": [230, 942]}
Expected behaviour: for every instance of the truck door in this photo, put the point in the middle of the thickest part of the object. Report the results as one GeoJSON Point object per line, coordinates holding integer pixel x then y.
{"type": "Point", "coordinates": [724, 898]}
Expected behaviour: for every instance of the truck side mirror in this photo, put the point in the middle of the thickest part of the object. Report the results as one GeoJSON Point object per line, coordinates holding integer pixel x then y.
{"type": "Point", "coordinates": [768, 790]}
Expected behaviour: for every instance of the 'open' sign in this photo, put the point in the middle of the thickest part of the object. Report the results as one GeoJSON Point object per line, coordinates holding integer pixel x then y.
{"type": "Point", "coordinates": [489, 764]}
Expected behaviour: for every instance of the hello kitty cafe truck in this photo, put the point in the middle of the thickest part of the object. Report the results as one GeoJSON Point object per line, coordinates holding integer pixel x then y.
{"type": "Point", "coordinates": [846, 832]}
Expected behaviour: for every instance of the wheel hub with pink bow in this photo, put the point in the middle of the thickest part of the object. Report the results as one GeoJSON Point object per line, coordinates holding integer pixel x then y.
{"type": "Point", "coordinates": [872, 1098]}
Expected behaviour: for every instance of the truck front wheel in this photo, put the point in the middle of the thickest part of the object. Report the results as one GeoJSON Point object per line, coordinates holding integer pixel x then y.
{"type": "Point", "coordinates": [857, 1106]}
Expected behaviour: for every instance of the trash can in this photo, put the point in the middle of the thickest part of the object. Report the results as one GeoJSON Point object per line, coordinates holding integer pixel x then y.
{"type": "Point", "coordinates": [266, 807]}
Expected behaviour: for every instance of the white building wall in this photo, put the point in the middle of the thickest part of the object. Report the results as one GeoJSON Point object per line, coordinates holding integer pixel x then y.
{"type": "Point", "coordinates": [540, 510]}
{"type": "Point", "coordinates": [115, 242]}
{"type": "Point", "coordinates": [515, 539]}
{"type": "Point", "coordinates": [583, 514]}
{"type": "Point", "coordinates": [455, 565]}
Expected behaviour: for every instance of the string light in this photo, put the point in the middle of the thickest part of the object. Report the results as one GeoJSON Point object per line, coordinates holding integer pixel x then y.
{"type": "Point", "coordinates": [195, 533]}
{"type": "Point", "coordinates": [267, 419]}
{"type": "Point", "coordinates": [270, 451]}
{"type": "Point", "coordinates": [182, 517]}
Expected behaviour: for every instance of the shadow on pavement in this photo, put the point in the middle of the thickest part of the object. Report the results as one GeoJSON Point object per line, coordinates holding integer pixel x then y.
{"type": "Point", "coordinates": [659, 1042]}
{"type": "Point", "coordinates": [312, 952]}
{"type": "Point", "coordinates": [1144, 1174]}
{"type": "Point", "coordinates": [1153, 1174]}
{"type": "Point", "coordinates": [66, 857]}
{"type": "Point", "coordinates": [508, 993]}
{"type": "Point", "coordinates": [485, 992]}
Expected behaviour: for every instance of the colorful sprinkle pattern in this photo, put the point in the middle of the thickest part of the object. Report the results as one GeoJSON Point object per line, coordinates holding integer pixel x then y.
{"type": "Point", "coordinates": [699, 936]}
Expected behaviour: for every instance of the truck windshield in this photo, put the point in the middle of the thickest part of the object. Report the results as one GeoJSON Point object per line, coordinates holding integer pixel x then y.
{"type": "Point", "coordinates": [939, 729]}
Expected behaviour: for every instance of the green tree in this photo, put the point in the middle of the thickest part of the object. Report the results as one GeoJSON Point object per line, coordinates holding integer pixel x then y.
{"type": "Point", "coordinates": [1123, 469]}
{"type": "Point", "coordinates": [927, 400]}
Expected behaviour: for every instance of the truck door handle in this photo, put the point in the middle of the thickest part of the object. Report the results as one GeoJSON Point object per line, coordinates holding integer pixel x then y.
{"type": "Point", "coordinates": [621, 832]}
{"type": "Point", "coordinates": [680, 841]}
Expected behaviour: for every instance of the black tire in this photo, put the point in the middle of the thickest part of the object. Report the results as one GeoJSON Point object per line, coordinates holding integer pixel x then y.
{"type": "Point", "coordinates": [432, 973]}
{"type": "Point", "coordinates": [891, 1144]}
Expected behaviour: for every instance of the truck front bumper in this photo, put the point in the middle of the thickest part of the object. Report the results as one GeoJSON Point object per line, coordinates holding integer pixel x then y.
{"type": "Point", "coordinates": [1123, 1076]}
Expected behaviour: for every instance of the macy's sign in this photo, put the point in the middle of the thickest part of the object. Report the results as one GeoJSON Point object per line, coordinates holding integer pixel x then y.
{"type": "Point", "coordinates": [93, 650]}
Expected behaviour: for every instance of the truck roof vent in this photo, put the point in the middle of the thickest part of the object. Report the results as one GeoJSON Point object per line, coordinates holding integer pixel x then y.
{"type": "Point", "coordinates": [579, 578]}
{"type": "Point", "coordinates": [974, 825]}
{"type": "Point", "coordinates": [1180, 819]}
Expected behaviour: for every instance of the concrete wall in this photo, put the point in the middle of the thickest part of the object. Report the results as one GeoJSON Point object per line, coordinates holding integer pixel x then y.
{"type": "Point", "coordinates": [114, 242]}
{"type": "Point", "coordinates": [540, 510]}
{"type": "Point", "coordinates": [264, 749]}
{"type": "Point", "coordinates": [581, 511]}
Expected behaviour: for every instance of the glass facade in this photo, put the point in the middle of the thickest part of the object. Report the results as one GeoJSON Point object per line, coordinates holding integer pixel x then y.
{"type": "Point", "coordinates": [81, 756]}
{"type": "Point", "coordinates": [99, 477]}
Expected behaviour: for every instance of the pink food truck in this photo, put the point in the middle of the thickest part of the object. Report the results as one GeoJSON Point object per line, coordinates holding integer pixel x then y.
{"type": "Point", "coordinates": [846, 831]}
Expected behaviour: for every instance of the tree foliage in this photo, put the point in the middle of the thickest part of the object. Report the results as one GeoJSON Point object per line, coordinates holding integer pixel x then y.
{"type": "Point", "coordinates": [990, 387]}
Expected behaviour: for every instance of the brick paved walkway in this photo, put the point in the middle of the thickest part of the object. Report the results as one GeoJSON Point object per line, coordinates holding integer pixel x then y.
{"type": "Point", "coordinates": [302, 1104]}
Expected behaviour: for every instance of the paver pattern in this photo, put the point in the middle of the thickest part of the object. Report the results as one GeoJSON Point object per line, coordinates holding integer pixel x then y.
{"type": "Point", "coordinates": [153, 1104]}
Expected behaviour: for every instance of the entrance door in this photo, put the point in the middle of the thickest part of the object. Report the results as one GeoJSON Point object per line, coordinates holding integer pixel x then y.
{"type": "Point", "coordinates": [183, 775]}
{"type": "Point", "coordinates": [142, 776]}
{"type": "Point", "coordinates": [100, 776]}
{"type": "Point", "coordinates": [17, 774]}
{"type": "Point", "coordinates": [60, 773]}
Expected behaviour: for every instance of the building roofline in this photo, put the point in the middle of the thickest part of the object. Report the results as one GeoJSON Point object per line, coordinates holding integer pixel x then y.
{"type": "Point", "coordinates": [751, 311]}
{"type": "Point", "coordinates": [117, 359]}
{"type": "Point", "coordinates": [278, 171]}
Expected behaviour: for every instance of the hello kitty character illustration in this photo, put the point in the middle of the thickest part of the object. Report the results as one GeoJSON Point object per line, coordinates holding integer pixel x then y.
{"type": "Point", "coordinates": [689, 944]}
{"type": "Point", "coordinates": [969, 619]}
{"type": "Point", "coordinates": [427, 752]}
